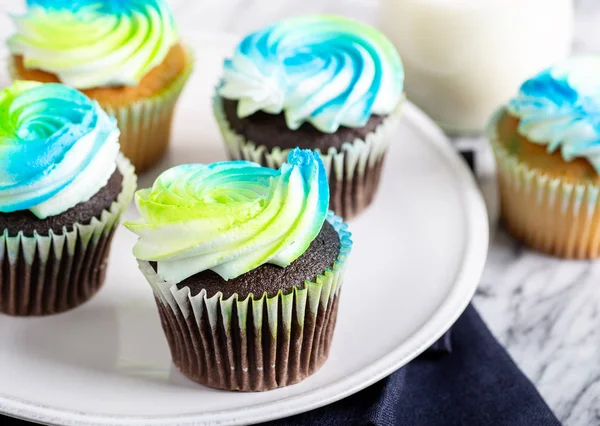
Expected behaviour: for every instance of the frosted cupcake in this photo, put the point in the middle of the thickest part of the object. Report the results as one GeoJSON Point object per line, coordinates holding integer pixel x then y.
{"type": "Point", "coordinates": [319, 82]}
{"type": "Point", "coordinates": [246, 265]}
{"type": "Point", "coordinates": [124, 54]}
{"type": "Point", "coordinates": [547, 144]}
{"type": "Point", "coordinates": [63, 187]}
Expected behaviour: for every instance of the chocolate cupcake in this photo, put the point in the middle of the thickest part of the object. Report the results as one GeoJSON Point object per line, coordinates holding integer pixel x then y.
{"type": "Point", "coordinates": [126, 55]}
{"type": "Point", "coordinates": [63, 187]}
{"type": "Point", "coordinates": [319, 82]}
{"type": "Point", "coordinates": [246, 265]}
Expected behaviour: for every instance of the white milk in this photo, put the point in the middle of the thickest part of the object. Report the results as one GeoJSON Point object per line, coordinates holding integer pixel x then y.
{"type": "Point", "coordinates": [463, 58]}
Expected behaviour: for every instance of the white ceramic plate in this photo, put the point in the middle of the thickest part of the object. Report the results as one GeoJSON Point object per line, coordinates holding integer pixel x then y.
{"type": "Point", "coordinates": [418, 255]}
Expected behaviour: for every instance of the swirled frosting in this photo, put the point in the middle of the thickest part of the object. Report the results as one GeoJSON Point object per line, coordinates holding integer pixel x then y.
{"type": "Point", "coordinates": [560, 108]}
{"type": "Point", "coordinates": [231, 217]}
{"type": "Point", "coordinates": [94, 43]}
{"type": "Point", "coordinates": [326, 70]}
{"type": "Point", "coordinates": [57, 148]}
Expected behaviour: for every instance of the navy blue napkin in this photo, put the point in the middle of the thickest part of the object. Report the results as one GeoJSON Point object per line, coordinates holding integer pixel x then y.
{"type": "Point", "coordinates": [466, 378]}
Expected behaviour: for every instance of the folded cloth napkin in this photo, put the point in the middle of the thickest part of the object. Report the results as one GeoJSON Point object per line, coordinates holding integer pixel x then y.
{"type": "Point", "coordinates": [466, 379]}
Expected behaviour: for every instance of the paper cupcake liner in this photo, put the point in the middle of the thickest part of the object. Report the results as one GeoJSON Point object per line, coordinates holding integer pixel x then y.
{"type": "Point", "coordinates": [548, 214]}
{"type": "Point", "coordinates": [258, 343]}
{"type": "Point", "coordinates": [42, 275]}
{"type": "Point", "coordinates": [353, 171]}
{"type": "Point", "coordinates": [145, 125]}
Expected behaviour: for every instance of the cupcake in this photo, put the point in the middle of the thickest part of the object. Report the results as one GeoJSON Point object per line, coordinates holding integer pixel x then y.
{"type": "Point", "coordinates": [547, 145]}
{"type": "Point", "coordinates": [63, 187]}
{"type": "Point", "coordinates": [246, 266]}
{"type": "Point", "coordinates": [126, 55]}
{"type": "Point", "coordinates": [319, 82]}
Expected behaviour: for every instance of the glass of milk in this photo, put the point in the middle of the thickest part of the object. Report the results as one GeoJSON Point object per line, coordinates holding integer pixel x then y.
{"type": "Point", "coordinates": [464, 58]}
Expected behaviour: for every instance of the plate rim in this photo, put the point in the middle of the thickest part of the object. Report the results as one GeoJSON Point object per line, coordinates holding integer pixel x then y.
{"type": "Point", "coordinates": [465, 285]}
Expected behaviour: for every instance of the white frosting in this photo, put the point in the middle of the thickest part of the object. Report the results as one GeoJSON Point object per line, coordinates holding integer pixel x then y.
{"type": "Point", "coordinates": [88, 182]}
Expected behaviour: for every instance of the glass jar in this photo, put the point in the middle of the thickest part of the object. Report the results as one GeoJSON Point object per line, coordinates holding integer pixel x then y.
{"type": "Point", "coordinates": [464, 58]}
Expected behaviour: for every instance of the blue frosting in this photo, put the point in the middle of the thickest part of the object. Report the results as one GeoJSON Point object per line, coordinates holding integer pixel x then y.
{"type": "Point", "coordinates": [49, 135]}
{"type": "Point", "coordinates": [326, 70]}
{"type": "Point", "coordinates": [103, 6]}
{"type": "Point", "coordinates": [560, 108]}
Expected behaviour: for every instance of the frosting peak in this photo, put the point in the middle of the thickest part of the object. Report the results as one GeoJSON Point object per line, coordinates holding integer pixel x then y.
{"type": "Point", "coordinates": [94, 43]}
{"type": "Point", "coordinates": [231, 217]}
{"type": "Point", "coordinates": [560, 108]}
{"type": "Point", "coordinates": [326, 70]}
{"type": "Point", "coordinates": [57, 148]}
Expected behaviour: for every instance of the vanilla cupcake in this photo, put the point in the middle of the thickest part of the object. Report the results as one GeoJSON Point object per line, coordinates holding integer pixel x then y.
{"type": "Point", "coordinates": [320, 82]}
{"type": "Point", "coordinates": [63, 187]}
{"type": "Point", "coordinates": [246, 266]}
{"type": "Point", "coordinates": [547, 144]}
{"type": "Point", "coordinates": [125, 54]}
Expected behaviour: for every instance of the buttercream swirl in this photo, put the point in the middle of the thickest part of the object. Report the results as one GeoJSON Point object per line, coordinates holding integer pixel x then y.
{"type": "Point", "coordinates": [560, 108]}
{"type": "Point", "coordinates": [231, 217]}
{"type": "Point", "coordinates": [57, 148]}
{"type": "Point", "coordinates": [326, 70]}
{"type": "Point", "coordinates": [95, 43]}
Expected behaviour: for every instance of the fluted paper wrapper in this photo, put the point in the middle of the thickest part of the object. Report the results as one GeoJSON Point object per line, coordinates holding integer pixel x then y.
{"type": "Point", "coordinates": [353, 171]}
{"type": "Point", "coordinates": [255, 344]}
{"type": "Point", "coordinates": [145, 124]}
{"type": "Point", "coordinates": [548, 214]}
{"type": "Point", "coordinates": [44, 275]}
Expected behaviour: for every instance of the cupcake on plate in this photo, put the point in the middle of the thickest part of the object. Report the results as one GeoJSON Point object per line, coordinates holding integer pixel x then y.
{"type": "Point", "coordinates": [125, 54]}
{"type": "Point", "coordinates": [246, 265]}
{"type": "Point", "coordinates": [324, 83]}
{"type": "Point", "coordinates": [63, 187]}
{"type": "Point", "coordinates": [547, 145]}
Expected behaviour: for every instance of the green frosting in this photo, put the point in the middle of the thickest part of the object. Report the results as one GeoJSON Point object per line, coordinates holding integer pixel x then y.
{"type": "Point", "coordinates": [95, 43]}
{"type": "Point", "coordinates": [231, 217]}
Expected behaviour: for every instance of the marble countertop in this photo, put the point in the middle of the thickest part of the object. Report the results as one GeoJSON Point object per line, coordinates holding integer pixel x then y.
{"type": "Point", "coordinates": [545, 311]}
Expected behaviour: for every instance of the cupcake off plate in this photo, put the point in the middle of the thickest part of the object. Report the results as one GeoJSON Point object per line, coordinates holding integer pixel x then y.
{"type": "Point", "coordinates": [418, 255]}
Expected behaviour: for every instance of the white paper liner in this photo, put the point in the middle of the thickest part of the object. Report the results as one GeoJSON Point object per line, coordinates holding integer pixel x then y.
{"type": "Point", "coordinates": [353, 171]}
{"type": "Point", "coordinates": [549, 214]}
{"type": "Point", "coordinates": [210, 341]}
{"type": "Point", "coordinates": [29, 260]}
